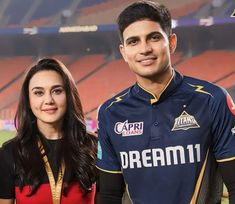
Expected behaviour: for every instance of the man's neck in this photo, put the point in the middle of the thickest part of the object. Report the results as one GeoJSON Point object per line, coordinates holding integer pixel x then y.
{"type": "Point", "coordinates": [158, 84]}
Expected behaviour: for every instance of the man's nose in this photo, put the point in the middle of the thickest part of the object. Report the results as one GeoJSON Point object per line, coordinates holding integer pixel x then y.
{"type": "Point", "coordinates": [146, 48]}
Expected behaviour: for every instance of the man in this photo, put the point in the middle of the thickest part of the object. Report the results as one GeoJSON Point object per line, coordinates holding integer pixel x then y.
{"type": "Point", "coordinates": [169, 137]}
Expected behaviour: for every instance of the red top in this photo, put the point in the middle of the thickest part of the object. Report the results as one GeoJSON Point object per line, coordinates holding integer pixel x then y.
{"type": "Point", "coordinates": [43, 195]}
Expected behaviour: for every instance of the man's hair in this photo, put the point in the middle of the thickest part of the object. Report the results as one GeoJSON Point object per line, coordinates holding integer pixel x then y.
{"type": "Point", "coordinates": [141, 10]}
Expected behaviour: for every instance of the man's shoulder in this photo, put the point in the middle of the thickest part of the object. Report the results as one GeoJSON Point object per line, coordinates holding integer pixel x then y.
{"type": "Point", "coordinates": [202, 86]}
{"type": "Point", "coordinates": [116, 100]}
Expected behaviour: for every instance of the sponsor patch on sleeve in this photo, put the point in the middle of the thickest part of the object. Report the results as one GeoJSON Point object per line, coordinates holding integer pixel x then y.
{"type": "Point", "coordinates": [231, 104]}
{"type": "Point", "coordinates": [99, 152]}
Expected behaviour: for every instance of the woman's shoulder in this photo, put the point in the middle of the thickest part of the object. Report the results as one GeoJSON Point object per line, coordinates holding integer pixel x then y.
{"type": "Point", "coordinates": [7, 154]}
{"type": "Point", "coordinates": [7, 150]}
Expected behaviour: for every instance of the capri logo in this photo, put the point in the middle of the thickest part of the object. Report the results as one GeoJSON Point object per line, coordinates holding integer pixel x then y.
{"type": "Point", "coordinates": [129, 129]}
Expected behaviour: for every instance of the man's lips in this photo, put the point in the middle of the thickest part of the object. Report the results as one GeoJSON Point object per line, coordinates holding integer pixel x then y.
{"type": "Point", "coordinates": [147, 60]}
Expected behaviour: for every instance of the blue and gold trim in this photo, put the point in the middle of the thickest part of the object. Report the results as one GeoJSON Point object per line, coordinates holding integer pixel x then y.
{"type": "Point", "coordinates": [151, 96]}
{"type": "Point", "coordinates": [117, 99]}
{"type": "Point", "coordinates": [225, 160]}
{"type": "Point", "coordinates": [199, 181]}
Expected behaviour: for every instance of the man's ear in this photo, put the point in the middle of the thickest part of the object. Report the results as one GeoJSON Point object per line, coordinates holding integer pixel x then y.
{"type": "Point", "coordinates": [172, 42]}
{"type": "Point", "coordinates": [122, 51]}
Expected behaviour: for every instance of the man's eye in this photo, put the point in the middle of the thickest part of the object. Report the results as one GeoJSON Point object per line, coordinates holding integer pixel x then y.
{"type": "Point", "coordinates": [155, 37]}
{"type": "Point", "coordinates": [132, 42]}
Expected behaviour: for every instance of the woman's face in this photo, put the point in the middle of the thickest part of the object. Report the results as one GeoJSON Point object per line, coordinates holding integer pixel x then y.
{"type": "Point", "coordinates": [47, 98]}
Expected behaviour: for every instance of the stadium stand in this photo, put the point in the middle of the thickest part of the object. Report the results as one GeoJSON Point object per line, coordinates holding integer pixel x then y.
{"type": "Point", "coordinates": [86, 65]}
{"type": "Point", "coordinates": [96, 73]}
{"type": "Point", "coordinates": [101, 75]}
{"type": "Point", "coordinates": [106, 13]}
{"type": "Point", "coordinates": [216, 8]}
{"type": "Point", "coordinates": [12, 69]}
{"type": "Point", "coordinates": [49, 8]}
{"type": "Point", "coordinates": [87, 3]}
{"type": "Point", "coordinates": [220, 63]}
{"type": "Point", "coordinates": [11, 77]}
{"type": "Point", "coordinates": [16, 11]}
{"type": "Point", "coordinates": [110, 80]}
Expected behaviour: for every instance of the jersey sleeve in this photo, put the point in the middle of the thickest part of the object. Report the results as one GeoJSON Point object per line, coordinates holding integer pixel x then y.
{"type": "Point", "coordinates": [7, 187]}
{"type": "Point", "coordinates": [223, 127]}
{"type": "Point", "coordinates": [106, 157]}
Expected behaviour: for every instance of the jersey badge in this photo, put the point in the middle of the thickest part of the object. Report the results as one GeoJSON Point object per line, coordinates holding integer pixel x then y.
{"type": "Point", "coordinates": [129, 129]}
{"type": "Point", "coordinates": [185, 122]}
{"type": "Point", "coordinates": [231, 104]}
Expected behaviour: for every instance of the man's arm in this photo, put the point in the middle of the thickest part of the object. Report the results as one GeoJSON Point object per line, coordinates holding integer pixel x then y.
{"type": "Point", "coordinates": [110, 188]}
{"type": "Point", "coordinates": [227, 170]}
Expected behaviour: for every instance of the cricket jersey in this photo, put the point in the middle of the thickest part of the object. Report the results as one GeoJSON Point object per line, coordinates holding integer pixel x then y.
{"type": "Point", "coordinates": [167, 148]}
{"type": "Point", "coordinates": [10, 182]}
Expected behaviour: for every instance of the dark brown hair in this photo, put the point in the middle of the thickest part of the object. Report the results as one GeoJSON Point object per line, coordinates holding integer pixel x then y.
{"type": "Point", "coordinates": [79, 147]}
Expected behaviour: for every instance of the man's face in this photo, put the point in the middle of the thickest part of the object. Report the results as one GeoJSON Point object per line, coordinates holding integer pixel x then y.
{"type": "Point", "coordinates": [146, 48]}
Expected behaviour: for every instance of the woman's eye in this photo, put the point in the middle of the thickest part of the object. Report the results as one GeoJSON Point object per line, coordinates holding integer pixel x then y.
{"type": "Point", "coordinates": [57, 91]}
{"type": "Point", "coordinates": [38, 93]}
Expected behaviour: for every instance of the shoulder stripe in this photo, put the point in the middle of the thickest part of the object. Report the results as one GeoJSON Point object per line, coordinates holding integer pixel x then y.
{"type": "Point", "coordinates": [199, 88]}
{"type": "Point", "coordinates": [117, 99]}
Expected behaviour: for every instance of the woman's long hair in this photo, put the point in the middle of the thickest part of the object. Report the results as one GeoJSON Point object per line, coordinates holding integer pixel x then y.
{"type": "Point", "coordinates": [79, 147]}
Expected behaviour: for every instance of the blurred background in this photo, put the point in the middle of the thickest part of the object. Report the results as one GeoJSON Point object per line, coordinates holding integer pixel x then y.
{"type": "Point", "coordinates": [83, 35]}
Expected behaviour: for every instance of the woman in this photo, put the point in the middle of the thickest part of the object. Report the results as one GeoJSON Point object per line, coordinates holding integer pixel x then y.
{"type": "Point", "coordinates": [52, 158]}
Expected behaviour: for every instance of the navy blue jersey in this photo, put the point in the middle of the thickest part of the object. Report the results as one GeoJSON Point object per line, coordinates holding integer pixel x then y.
{"type": "Point", "coordinates": [167, 148]}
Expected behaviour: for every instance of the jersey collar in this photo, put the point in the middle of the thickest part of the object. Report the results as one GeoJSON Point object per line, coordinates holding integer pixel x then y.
{"type": "Point", "coordinates": [146, 95]}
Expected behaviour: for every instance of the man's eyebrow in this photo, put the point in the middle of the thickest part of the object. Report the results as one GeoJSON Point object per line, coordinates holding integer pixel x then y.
{"type": "Point", "coordinates": [149, 35]}
{"type": "Point", "coordinates": [131, 38]}
{"type": "Point", "coordinates": [153, 33]}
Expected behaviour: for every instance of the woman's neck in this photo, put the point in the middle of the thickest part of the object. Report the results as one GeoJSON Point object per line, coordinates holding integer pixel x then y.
{"type": "Point", "coordinates": [49, 131]}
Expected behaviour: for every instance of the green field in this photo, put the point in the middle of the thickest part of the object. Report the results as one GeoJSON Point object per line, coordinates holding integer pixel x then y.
{"type": "Point", "coordinates": [6, 135]}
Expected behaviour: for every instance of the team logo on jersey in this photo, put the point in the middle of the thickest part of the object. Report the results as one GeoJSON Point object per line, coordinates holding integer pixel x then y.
{"type": "Point", "coordinates": [231, 104]}
{"type": "Point", "coordinates": [185, 122]}
{"type": "Point", "coordinates": [129, 129]}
